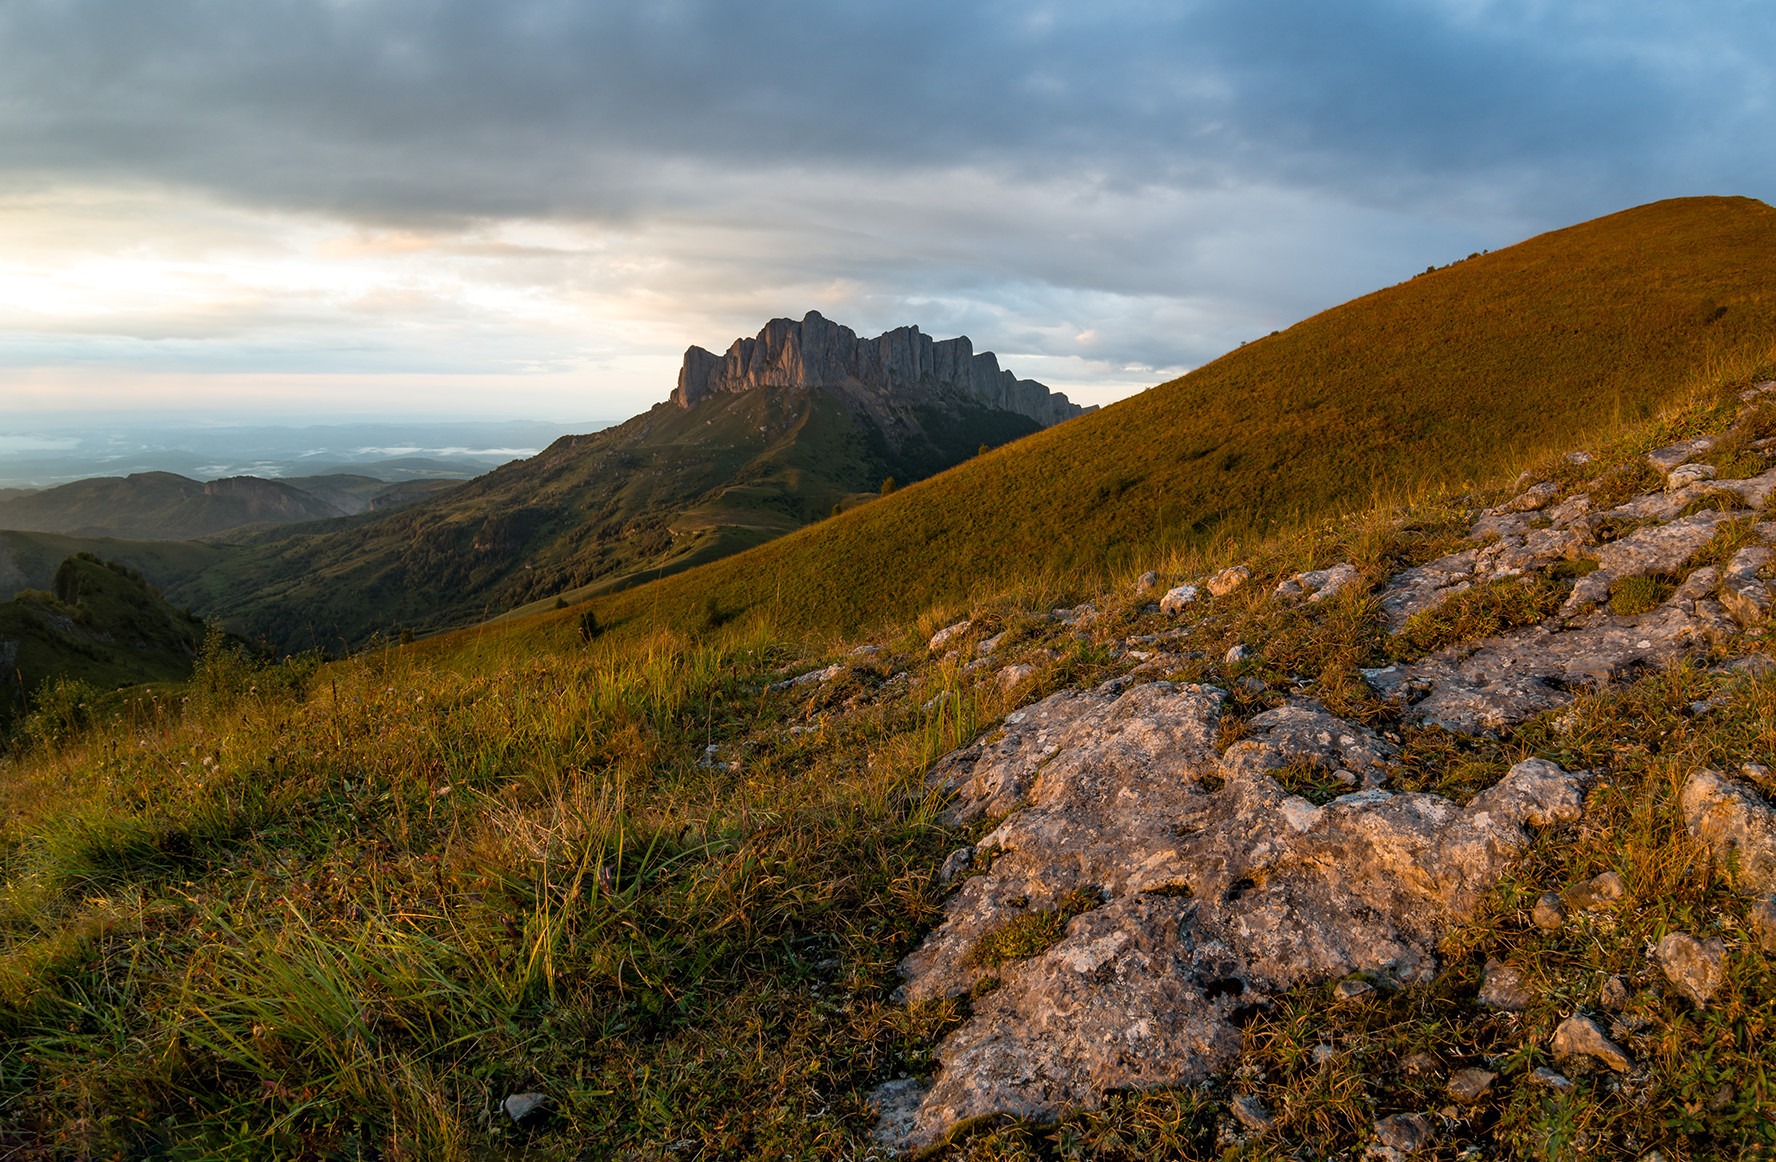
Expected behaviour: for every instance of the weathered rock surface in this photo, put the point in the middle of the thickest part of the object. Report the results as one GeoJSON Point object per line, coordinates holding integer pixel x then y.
{"type": "Point", "coordinates": [1229, 579]}
{"type": "Point", "coordinates": [948, 634]}
{"type": "Point", "coordinates": [818, 352]}
{"type": "Point", "coordinates": [1669, 457]}
{"type": "Point", "coordinates": [1317, 584]}
{"type": "Point", "coordinates": [1504, 988]}
{"type": "Point", "coordinates": [1662, 548]}
{"type": "Point", "coordinates": [1218, 888]}
{"type": "Point", "coordinates": [1470, 1085]}
{"type": "Point", "coordinates": [1744, 594]}
{"type": "Point", "coordinates": [1579, 1037]}
{"type": "Point", "coordinates": [1696, 968]}
{"type": "Point", "coordinates": [1407, 1133]}
{"type": "Point", "coordinates": [1178, 598]}
{"type": "Point", "coordinates": [1600, 891]}
{"type": "Point", "coordinates": [1735, 825]}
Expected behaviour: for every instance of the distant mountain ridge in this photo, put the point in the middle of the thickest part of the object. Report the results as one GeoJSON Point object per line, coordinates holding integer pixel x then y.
{"type": "Point", "coordinates": [903, 364]}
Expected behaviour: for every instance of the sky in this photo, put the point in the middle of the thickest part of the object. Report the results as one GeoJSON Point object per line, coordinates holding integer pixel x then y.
{"type": "Point", "coordinates": [314, 210]}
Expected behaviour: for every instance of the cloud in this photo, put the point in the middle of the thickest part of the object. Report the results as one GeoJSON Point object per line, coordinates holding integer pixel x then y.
{"type": "Point", "coordinates": [461, 187]}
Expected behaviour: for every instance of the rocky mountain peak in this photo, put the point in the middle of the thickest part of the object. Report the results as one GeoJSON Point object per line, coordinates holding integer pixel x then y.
{"type": "Point", "coordinates": [904, 362]}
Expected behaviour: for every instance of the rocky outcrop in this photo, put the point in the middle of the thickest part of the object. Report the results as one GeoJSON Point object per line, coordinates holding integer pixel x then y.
{"type": "Point", "coordinates": [816, 352]}
{"type": "Point", "coordinates": [1178, 888]}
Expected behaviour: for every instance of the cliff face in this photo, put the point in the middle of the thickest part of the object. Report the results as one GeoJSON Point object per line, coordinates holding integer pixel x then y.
{"type": "Point", "coordinates": [901, 364]}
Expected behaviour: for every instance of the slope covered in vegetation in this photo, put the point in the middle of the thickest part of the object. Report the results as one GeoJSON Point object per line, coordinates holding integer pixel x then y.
{"type": "Point", "coordinates": [664, 885]}
{"type": "Point", "coordinates": [1446, 378]}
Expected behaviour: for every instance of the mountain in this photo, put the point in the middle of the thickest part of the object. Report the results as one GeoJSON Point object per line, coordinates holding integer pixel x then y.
{"type": "Point", "coordinates": [100, 623]}
{"type": "Point", "coordinates": [791, 425]}
{"type": "Point", "coordinates": [30, 560]}
{"type": "Point", "coordinates": [1430, 384]}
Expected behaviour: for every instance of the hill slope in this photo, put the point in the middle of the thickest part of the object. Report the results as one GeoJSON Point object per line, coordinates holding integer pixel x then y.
{"type": "Point", "coordinates": [1436, 381]}
{"type": "Point", "coordinates": [102, 624]}
{"type": "Point", "coordinates": [796, 423]}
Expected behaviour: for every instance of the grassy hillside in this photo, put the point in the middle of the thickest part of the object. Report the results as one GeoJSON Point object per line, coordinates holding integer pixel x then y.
{"type": "Point", "coordinates": [1446, 378]}
{"type": "Point", "coordinates": [667, 490]}
{"type": "Point", "coordinates": [348, 916]}
{"type": "Point", "coordinates": [30, 560]}
{"type": "Point", "coordinates": [162, 506]}
{"type": "Point", "coordinates": [101, 624]}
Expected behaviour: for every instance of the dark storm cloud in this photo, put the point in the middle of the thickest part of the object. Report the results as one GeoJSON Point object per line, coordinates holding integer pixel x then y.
{"type": "Point", "coordinates": [533, 107]}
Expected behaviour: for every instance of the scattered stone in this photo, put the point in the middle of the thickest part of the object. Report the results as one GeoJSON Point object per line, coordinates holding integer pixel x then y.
{"type": "Point", "coordinates": [987, 646]}
{"type": "Point", "coordinates": [1176, 599]}
{"type": "Point", "coordinates": [948, 634]}
{"type": "Point", "coordinates": [866, 650]}
{"type": "Point", "coordinates": [1421, 1063]}
{"type": "Point", "coordinates": [1407, 1133]}
{"type": "Point", "coordinates": [1657, 548]}
{"type": "Point", "coordinates": [1352, 988]}
{"type": "Point", "coordinates": [1470, 1085]}
{"type": "Point", "coordinates": [1742, 591]}
{"type": "Point", "coordinates": [1697, 968]}
{"type": "Point", "coordinates": [1316, 585]}
{"type": "Point", "coordinates": [823, 675]}
{"type": "Point", "coordinates": [1736, 826]}
{"type": "Point", "coordinates": [1613, 996]}
{"type": "Point", "coordinates": [1688, 474]}
{"type": "Point", "coordinates": [955, 864]}
{"type": "Point", "coordinates": [1229, 579]}
{"type": "Point", "coordinates": [1669, 457]}
{"type": "Point", "coordinates": [1235, 655]}
{"type": "Point", "coordinates": [1534, 499]}
{"type": "Point", "coordinates": [897, 1107]}
{"type": "Point", "coordinates": [1147, 582]}
{"type": "Point", "coordinates": [1323, 1053]}
{"type": "Point", "coordinates": [1600, 891]}
{"type": "Point", "coordinates": [1013, 676]}
{"type": "Point", "coordinates": [1762, 919]}
{"type": "Point", "coordinates": [1548, 914]}
{"type": "Point", "coordinates": [1580, 458]}
{"type": "Point", "coordinates": [1251, 685]}
{"type": "Point", "coordinates": [1580, 1037]}
{"type": "Point", "coordinates": [1505, 989]}
{"type": "Point", "coordinates": [1542, 1075]}
{"type": "Point", "coordinates": [523, 1107]}
{"type": "Point", "coordinates": [1250, 1112]}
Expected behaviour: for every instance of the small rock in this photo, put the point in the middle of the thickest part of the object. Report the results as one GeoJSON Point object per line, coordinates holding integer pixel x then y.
{"type": "Point", "coordinates": [1697, 968]}
{"type": "Point", "coordinates": [1146, 582]}
{"type": "Point", "coordinates": [1470, 1085]}
{"type": "Point", "coordinates": [1742, 591]}
{"type": "Point", "coordinates": [521, 1107]}
{"type": "Point", "coordinates": [1762, 919]}
{"type": "Point", "coordinates": [1406, 1133]}
{"type": "Point", "coordinates": [1580, 458]}
{"type": "Point", "coordinates": [1323, 1053]}
{"type": "Point", "coordinates": [1235, 655]}
{"type": "Point", "coordinates": [1669, 457]}
{"type": "Point", "coordinates": [955, 864]}
{"type": "Point", "coordinates": [1599, 891]}
{"type": "Point", "coordinates": [1333, 581]}
{"type": "Point", "coordinates": [1548, 914]}
{"type": "Point", "coordinates": [948, 634]}
{"type": "Point", "coordinates": [1421, 1063]}
{"type": "Point", "coordinates": [1580, 1037]}
{"type": "Point", "coordinates": [1011, 677]}
{"type": "Point", "coordinates": [1504, 989]}
{"type": "Point", "coordinates": [1250, 1112]}
{"type": "Point", "coordinates": [1176, 599]}
{"type": "Point", "coordinates": [1229, 579]}
{"type": "Point", "coordinates": [1545, 1076]}
{"type": "Point", "coordinates": [989, 645]}
{"type": "Point", "coordinates": [1251, 685]}
{"type": "Point", "coordinates": [1613, 995]}
{"type": "Point", "coordinates": [1688, 474]}
{"type": "Point", "coordinates": [1534, 499]}
{"type": "Point", "coordinates": [1352, 988]}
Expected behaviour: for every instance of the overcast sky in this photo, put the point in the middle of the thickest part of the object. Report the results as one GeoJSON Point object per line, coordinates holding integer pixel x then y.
{"type": "Point", "coordinates": [529, 208]}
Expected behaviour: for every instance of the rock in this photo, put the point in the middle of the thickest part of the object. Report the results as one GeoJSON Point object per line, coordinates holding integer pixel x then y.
{"type": "Point", "coordinates": [1659, 548]}
{"type": "Point", "coordinates": [955, 864]}
{"type": "Point", "coordinates": [1580, 458]}
{"type": "Point", "coordinates": [1470, 1085]}
{"type": "Point", "coordinates": [523, 1107]}
{"type": "Point", "coordinates": [1736, 827]}
{"type": "Point", "coordinates": [1013, 676]}
{"type": "Point", "coordinates": [1302, 733]}
{"type": "Point", "coordinates": [1407, 1133]}
{"type": "Point", "coordinates": [1742, 591]}
{"type": "Point", "coordinates": [1544, 1076]}
{"type": "Point", "coordinates": [825, 674]}
{"type": "Point", "coordinates": [1536, 498]}
{"type": "Point", "coordinates": [1147, 582]}
{"type": "Point", "coordinates": [1688, 474]}
{"type": "Point", "coordinates": [1217, 890]}
{"type": "Point", "coordinates": [1613, 995]}
{"type": "Point", "coordinates": [1548, 914]}
{"type": "Point", "coordinates": [1229, 579]}
{"type": "Point", "coordinates": [1421, 1063]}
{"type": "Point", "coordinates": [1250, 1112]}
{"type": "Point", "coordinates": [1669, 457]}
{"type": "Point", "coordinates": [1697, 968]}
{"type": "Point", "coordinates": [1580, 1037]}
{"type": "Point", "coordinates": [1351, 988]}
{"type": "Point", "coordinates": [948, 634]}
{"type": "Point", "coordinates": [1235, 655]}
{"type": "Point", "coordinates": [1316, 585]}
{"type": "Point", "coordinates": [1762, 921]}
{"type": "Point", "coordinates": [1176, 599]}
{"type": "Point", "coordinates": [901, 364]}
{"type": "Point", "coordinates": [1600, 891]}
{"type": "Point", "coordinates": [896, 1104]}
{"type": "Point", "coordinates": [1505, 989]}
